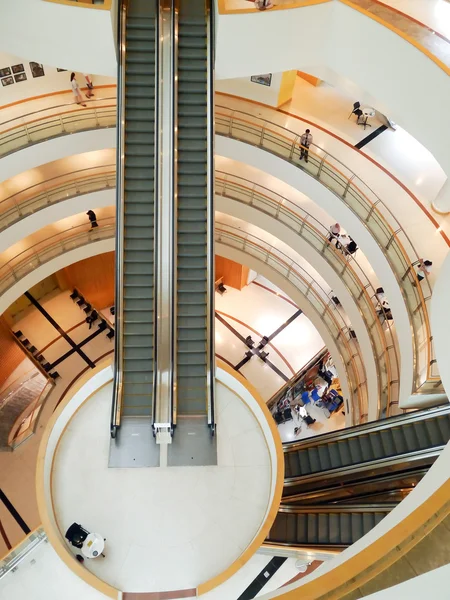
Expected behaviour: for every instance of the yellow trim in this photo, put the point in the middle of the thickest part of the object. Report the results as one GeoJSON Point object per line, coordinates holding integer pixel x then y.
{"type": "Point", "coordinates": [53, 535]}
{"type": "Point", "coordinates": [286, 90]}
{"type": "Point", "coordinates": [252, 10]}
{"type": "Point", "coordinates": [21, 543]}
{"type": "Point", "coordinates": [439, 212]}
{"type": "Point", "coordinates": [105, 6]}
{"type": "Point", "coordinates": [406, 37]}
{"type": "Point", "coordinates": [272, 513]}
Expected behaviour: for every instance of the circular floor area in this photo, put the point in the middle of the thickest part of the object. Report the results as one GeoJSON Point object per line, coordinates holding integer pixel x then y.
{"type": "Point", "coordinates": [166, 528]}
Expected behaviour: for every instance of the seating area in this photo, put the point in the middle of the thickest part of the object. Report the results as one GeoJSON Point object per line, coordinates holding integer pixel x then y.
{"type": "Point", "coordinates": [92, 314]}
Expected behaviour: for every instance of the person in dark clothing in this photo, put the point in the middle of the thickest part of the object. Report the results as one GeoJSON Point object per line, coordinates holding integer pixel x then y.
{"type": "Point", "coordinates": [92, 218]}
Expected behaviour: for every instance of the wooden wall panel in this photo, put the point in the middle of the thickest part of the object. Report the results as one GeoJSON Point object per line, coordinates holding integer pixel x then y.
{"type": "Point", "coordinates": [11, 354]}
{"type": "Point", "coordinates": [94, 278]}
{"type": "Point", "coordinates": [234, 275]}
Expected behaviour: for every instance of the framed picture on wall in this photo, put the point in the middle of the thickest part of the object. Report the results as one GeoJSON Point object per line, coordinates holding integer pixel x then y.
{"type": "Point", "coordinates": [20, 77]}
{"type": "Point", "coordinates": [17, 68]}
{"type": "Point", "coordinates": [265, 79]}
{"type": "Point", "coordinates": [61, 70]}
{"type": "Point", "coordinates": [4, 72]}
{"type": "Point", "coordinates": [37, 70]}
{"type": "Point", "coordinates": [7, 81]}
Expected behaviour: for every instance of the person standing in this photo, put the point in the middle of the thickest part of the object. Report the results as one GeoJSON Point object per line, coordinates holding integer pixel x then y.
{"type": "Point", "coordinates": [76, 90]}
{"type": "Point", "coordinates": [423, 269]}
{"type": "Point", "coordinates": [305, 143]}
{"type": "Point", "coordinates": [92, 218]}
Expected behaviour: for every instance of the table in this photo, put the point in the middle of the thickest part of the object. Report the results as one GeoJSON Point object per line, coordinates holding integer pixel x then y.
{"type": "Point", "coordinates": [367, 111]}
{"type": "Point", "coordinates": [93, 545]}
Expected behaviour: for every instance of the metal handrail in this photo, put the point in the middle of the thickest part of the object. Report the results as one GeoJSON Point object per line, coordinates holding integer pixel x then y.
{"type": "Point", "coordinates": [17, 554]}
{"type": "Point", "coordinates": [317, 236]}
{"type": "Point", "coordinates": [355, 193]}
{"type": "Point", "coordinates": [210, 272]}
{"type": "Point", "coordinates": [319, 299]}
{"type": "Point", "coordinates": [116, 407]}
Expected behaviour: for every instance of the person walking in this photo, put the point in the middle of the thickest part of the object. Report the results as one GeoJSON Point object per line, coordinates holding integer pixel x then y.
{"type": "Point", "coordinates": [423, 269]}
{"type": "Point", "coordinates": [92, 218]}
{"type": "Point", "coordinates": [305, 143]}
{"type": "Point", "coordinates": [76, 90]}
{"type": "Point", "coordinates": [89, 85]}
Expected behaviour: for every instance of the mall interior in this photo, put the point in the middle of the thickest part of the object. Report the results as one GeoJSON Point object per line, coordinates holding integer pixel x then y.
{"type": "Point", "coordinates": [224, 292]}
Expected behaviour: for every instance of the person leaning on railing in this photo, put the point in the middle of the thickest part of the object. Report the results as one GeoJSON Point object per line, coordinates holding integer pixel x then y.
{"type": "Point", "coordinates": [305, 143]}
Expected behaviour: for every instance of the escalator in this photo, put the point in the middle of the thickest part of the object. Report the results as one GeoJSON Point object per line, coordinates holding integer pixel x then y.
{"type": "Point", "coordinates": [194, 172]}
{"type": "Point", "coordinates": [134, 308]}
{"type": "Point", "coordinates": [394, 445]}
{"type": "Point", "coordinates": [332, 528]}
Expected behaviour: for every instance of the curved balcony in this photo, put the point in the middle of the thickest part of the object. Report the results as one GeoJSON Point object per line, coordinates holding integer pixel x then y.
{"type": "Point", "coordinates": [367, 206]}
{"type": "Point", "coordinates": [346, 267]}
{"type": "Point", "coordinates": [319, 300]}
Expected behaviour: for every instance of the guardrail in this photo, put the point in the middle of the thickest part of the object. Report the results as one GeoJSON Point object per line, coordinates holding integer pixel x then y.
{"type": "Point", "coordinates": [320, 301]}
{"type": "Point", "coordinates": [39, 126]}
{"type": "Point", "coordinates": [347, 268]}
{"type": "Point", "coordinates": [364, 203]}
{"type": "Point", "coordinates": [15, 556]}
{"type": "Point", "coordinates": [54, 190]}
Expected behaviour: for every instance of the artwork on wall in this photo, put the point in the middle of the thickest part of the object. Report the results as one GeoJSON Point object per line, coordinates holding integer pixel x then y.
{"type": "Point", "coordinates": [61, 70]}
{"type": "Point", "coordinates": [265, 79]}
{"type": "Point", "coordinates": [37, 70]}
{"type": "Point", "coordinates": [4, 72]}
{"type": "Point", "coordinates": [20, 77]}
{"type": "Point", "coordinates": [7, 81]}
{"type": "Point", "coordinates": [17, 68]}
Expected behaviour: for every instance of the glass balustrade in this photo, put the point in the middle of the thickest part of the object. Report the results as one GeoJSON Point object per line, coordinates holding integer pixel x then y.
{"type": "Point", "coordinates": [347, 268]}
{"type": "Point", "coordinates": [12, 560]}
{"type": "Point", "coordinates": [363, 201]}
{"type": "Point", "coordinates": [320, 301]}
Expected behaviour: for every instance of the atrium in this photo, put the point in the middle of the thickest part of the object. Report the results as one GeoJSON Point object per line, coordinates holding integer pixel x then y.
{"type": "Point", "coordinates": [224, 291]}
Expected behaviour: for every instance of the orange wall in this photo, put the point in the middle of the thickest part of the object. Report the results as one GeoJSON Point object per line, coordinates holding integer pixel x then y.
{"type": "Point", "coordinates": [11, 355]}
{"type": "Point", "coordinates": [234, 274]}
{"type": "Point", "coordinates": [309, 78]}
{"type": "Point", "coordinates": [92, 277]}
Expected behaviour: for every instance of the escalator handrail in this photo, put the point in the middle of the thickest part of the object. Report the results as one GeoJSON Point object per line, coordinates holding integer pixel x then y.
{"type": "Point", "coordinates": [120, 209]}
{"type": "Point", "coordinates": [366, 428]}
{"type": "Point", "coordinates": [348, 508]}
{"type": "Point", "coordinates": [359, 468]}
{"type": "Point", "coordinates": [210, 308]}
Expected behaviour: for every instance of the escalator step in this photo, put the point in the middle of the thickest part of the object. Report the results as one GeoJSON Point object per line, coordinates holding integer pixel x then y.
{"type": "Point", "coordinates": [345, 529]}
{"type": "Point", "coordinates": [344, 453]}
{"type": "Point", "coordinates": [334, 533]}
{"type": "Point", "coordinates": [422, 435]}
{"type": "Point", "coordinates": [324, 457]}
{"type": "Point", "coordinates": [302, 529]}
{"type": "Point", "coordinates": [410, 435]}
{"type": "Point", "coordinates": [313, 529]}
{"type": "Point", "coordinates": [334, 455]}
{"type": "Point", "coordinates": [387, 441]}
{"type": "Point", "coordinates": [355, 450]}
{"type": "Point", "coordinates": [444, 427]}
{"type": "Point", "coordinates": [305, 465]}
{"type": "Point", "coordinates": [434, 432]}
{"type": "Point", "coordinates": [368, 522]}
{"type": "Point", "coordinates": [357, 530]}
{"type": "Point", "coordinates": [323, 525]}
{"type": "Point", "coordinates": [314, 460]}
{"type": "Point", "coordinates": [376, 445]}
{"type": "Point", "coordinates": [366, 448]}
{"type": "Point", "coordinates": [401, 445]}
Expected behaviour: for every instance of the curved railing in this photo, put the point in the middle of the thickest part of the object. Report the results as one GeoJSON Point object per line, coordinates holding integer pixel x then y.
{"type": "Point", "coordinates": [318, 298]}
{"type": "Point", "coordinates": [57, 189]}
{"type": "Point", "coordinates": [363, 201]}
{"type": "Point", "coordinates": [39, 126]}
{"type": "Point", "coordinates": [347, 268]}
{"type": "Point", "coordinates": [40, 253]}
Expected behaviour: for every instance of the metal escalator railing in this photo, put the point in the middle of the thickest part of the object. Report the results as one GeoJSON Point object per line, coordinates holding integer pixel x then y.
{"type": "Point", "coordinates": [399, 443]}
{"type": "Point", "coordinates": [317, 236]}
{"type": "Point", "coordinates": [316, 527]}
{"type": "Point", "coordinates": [363, 201]}
{"type": "Point", "coordinates": [137, 115]}
{"type": "Point", "coordinates": [195, 252]}
{"type": "Point", "coordinates": [320, 301]}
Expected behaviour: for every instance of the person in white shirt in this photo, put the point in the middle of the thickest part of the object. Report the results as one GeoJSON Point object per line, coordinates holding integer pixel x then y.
{"type": "Point", "coordinates": [76, 90]}
{"type": "Point", "coordinates": [263, 4]}
{"type": "Point", "coordinates": [305, 143]}
{"type": "Point", "coordinates": [423, 268]}
{"type": "Point", "coordinates": [303, 412]}
{"type": "Point", "coordinates": [335, 231]}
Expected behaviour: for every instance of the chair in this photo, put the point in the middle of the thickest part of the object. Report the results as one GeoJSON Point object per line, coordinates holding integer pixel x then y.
{"type": "Point", "coordinates": [110, 334]}
{"type": "Point", "coordinates": [81, 301]}
{"type": "Point", "coordinates": [356, 106]}
{"type": "Point", "coordinates": [18, 334]}
{"type": "Point", "coordinates": [315, 395]}
{"type": "Point", "coordinates": [76, 535]}
{"type": "Point", "coordinates": [55, 375]}
{"type": "Point", "coordinates": [74, 295]}
{"type": "Point", "coordinates": [305, 398]}
{"type": "Point", "coordinates": [102, 325]}
{"type": "Point", "coordinates": [87, 309]}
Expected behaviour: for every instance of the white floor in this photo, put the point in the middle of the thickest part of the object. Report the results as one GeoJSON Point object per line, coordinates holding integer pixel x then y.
{"type": "Point", "coordinates": [434, 13]}
{"type": "Point", "coordinates": [166, 528]}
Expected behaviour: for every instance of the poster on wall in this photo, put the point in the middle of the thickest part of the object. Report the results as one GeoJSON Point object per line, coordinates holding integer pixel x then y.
{"type": "Point", "coordinates": [61, 70]}
{"type": "Point", "coordinates": [20, 77]}
{"type": "Point", "coordinates": [7, 81]}
{"type": "Point", "coordinates": [265, 79]}
{"type": "Point", "coordinates": [17, 68]}
{"type": "Point", "coordinates": [37, 70]}
{"type": "Point", "coordinates": [4, 72]}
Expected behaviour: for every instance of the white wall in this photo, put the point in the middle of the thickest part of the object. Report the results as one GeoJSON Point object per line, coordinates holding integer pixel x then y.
{"type": "Point", "coordinates": [316, 260]}
{"type": "Point", "coordinates": [50, 267]}
{"type": "Point", "coordinates": [344, 47]}
{"type": "Point", "coordinates": [440, 322]}
{"type": "Point", "coordinates": [52, 81]}
{"type": "Point", "coordinates": [292, 292]}
{"type": "Point", "coordinates": [54, 149]}
{"type": "Point", "coordinates": [336, 208]}
{"type": "Point", "coordinates": [245, 88]}
{"type": "Point", "coordinates": [69, 37]}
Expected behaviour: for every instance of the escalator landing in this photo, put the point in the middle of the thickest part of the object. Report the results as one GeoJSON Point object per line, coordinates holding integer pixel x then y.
{"type": "Point", "coordinates": [192, 445]}
{"type": "Point", "coordinates": [134, 445]}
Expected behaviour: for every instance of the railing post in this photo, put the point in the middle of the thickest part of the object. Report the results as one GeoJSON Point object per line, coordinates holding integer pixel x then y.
{"type": "Point", "coordinates": [262, 135]}
{"type": "Point", "coordinates": [230, 126]}
{"type": "Point", "coordinates": [391, 239]}
{"type": "Point", "coordinates": [349, 182]}
{"type": "Point", "coordinates": [27, 133]}
{"type": "Point", "coordinates": [62, 123]}
{"type": "Point", "coordinates": [294, 144]}
{"type": "Point", "coordinates": [321, 166]}
{"type": "Point", "coordinates": [96, 117]}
